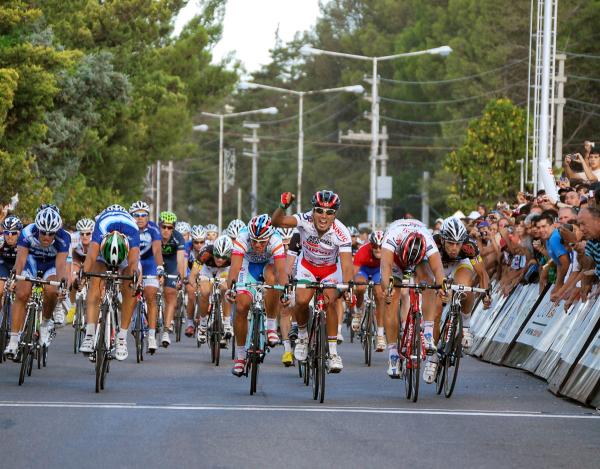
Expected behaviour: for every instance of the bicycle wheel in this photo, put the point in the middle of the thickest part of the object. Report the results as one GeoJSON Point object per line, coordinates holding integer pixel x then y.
{"type": "Point", "coordinates": [217, 334]}
{"type": "Point", "coordinates": [44, 353]}
{"type": "Point", "coordinates": [139, 333]}
{"type": "Point", "coordinates": [440, 376]}
{"type": "Point", "coordinates": [77, 325]}
{"type": "Point", "coordinates": [452, 359]}
{"type": "Point", "coordinates": [4, 329]}
{"type": "Point", "coordinates": [25, 346]}
{"type": "Point", "coordinates": [255, 353]}
{"type": "Point", "coordinates": [313, 356]}
{"type": "Point", "coordinates": [323, 352]}
{"type": "Point", "coordinates": [367, 335]}
{"type": "Point", "coordinates": [406, 344]}
{"type": "Point", "coordinates": [101, 347]}
{"type": "Point", "coordinates": [416, 357]}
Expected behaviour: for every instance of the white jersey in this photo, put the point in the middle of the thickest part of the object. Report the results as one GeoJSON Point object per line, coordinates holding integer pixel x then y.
{"type": "Point", "coordinates": [400, 229]}
{"type": "Point", "coordinates": [324, 250]}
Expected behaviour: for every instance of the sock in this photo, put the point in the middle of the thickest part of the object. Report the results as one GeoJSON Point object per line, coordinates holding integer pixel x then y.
{"type": "Point", "coordinates": [90, 329]}
{"type": "Point", "coordinates": [204, 321]}
{"type": "Point", "coordinates": [271, 324]}
{"type": "Point", "coordinates": [151, 332]}
{"type": "Point", "coordinates": [303, 332]}
{"type": "Point", "coordinates": [287, 346]}
{"type": "Point", "coordinates": [14, 338]}
{"type": "Point", "coordinates": [428, 328]}
{"type": "Point", "coordinates": [189, 322]}
{"type": "Point", "coordinates": [380, 331]}
{"type": "Point", "coordinates": [240, 352]}
{"type": "Point", "coordinates": [122, 334]}
{"type": "Point", "coordinates": [294, 324]}
{"type": "Point", "coordinates": [392, 350]}
{"type": "Point", "coordinates": [339, 328]}
{"type": "Point", "coordinates": [332, 345]}
{"type": "Point", "coordinates": [466, 319]}
{"type": "Point", "coordinates": [226, 320]}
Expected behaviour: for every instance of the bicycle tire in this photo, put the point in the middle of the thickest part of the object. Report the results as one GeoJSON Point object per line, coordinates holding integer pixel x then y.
{"type": "Point", "coordinates": [407, 365]}
{"type": "Point", "coordinates": [255, 354]}
{"type": "Point", "coordinates": [38, 355]}
{"type": "Point", "coordinates": [101, 347]}
{"type": "Point", "coordinates": [24, 364]}
{"type": "Point", "coordinates": [417, 348]}
{"type": "Point", "coordinates": [217, 332]}
{"type": "Point", "coordinates": [179, 315]}
{"type": "Point", "coordinates": [313, 357]}
{"type": "Point", "coordinates": [453, 358]}
{"type": "Point", "coordinates": [26, 348]}
{"type": "Point", "coordinates": [440, 377]}
{"type": "Point", "coordinates": [139, 333]}
{"type": "Point", "coordinates": [368, 336]}
{"type": "Point", "coordinates": [4, 330]}
{"type": "Point", "coordinates": [323, 352]}
{"type": "Point", "coordinates": [44, 355]}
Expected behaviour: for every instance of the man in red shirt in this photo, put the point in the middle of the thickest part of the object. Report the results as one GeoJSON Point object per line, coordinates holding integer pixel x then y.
{"type": "Point", "coordinates": [366, 267]}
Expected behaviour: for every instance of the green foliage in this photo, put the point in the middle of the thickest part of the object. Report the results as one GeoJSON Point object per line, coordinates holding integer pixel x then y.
{"type": "Point", "coordinates": [485, 167]}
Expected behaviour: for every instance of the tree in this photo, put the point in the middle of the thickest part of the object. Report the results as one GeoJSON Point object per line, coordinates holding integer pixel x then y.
{"type": "Point", "coordinates": [485, 167]}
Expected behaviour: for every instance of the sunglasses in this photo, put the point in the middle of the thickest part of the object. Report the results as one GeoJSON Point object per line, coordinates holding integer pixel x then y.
{"type": "Point", "coordinates": [326, 211]}
{"type": "Point", "coordinates": [47, 233]}
{"type": "Point", "coordinates": [85, 234]}
{"type": "Point", "coordinates": [221, 257]}
{"type": "Point", "coordinates": [198, 242]}
{"type": "Point", "coordinates": [167, 227]}
{"type": "Point", "coordinates": [10, 233]}
{"type": "Point", "coordinates": [140, 215]}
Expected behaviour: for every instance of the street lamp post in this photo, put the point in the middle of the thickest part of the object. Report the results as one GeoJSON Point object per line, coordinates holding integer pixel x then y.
{"type": "Point", "coordinates": [349, 89]}
{"type": "Point", "coordinates": [308, 50]}
{"type": "Point", "coordinates": [221, 117]}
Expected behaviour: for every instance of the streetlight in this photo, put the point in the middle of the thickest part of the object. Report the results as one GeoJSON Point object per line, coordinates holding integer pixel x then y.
{"type": "Point", "coordinates": [309, 50]}
{"type": "Point", "coordinates": [348, 89]}
{"type": "Point", "coordinates": [221, 117]}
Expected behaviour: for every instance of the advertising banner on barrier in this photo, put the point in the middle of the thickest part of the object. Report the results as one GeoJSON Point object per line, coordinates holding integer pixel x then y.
{"type": "Point", "coordinates": [584, 382]}
{"type": "Point", "coordinates": [512, 324]}
{"type": "Point", "coordinates": [580, 336]}
{"type": "Point", "coordinates": [570, 325]}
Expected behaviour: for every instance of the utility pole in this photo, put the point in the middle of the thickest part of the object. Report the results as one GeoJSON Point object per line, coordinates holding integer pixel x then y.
{"type": "Point", "coordinates": [254, 140]}
{"type": "Point", "coordinates": [157, 189]}
{"type": "Point", "coordinates": [425, 199]}
{"type": "Point", "coordinates": [170, 186]}
{"type": "Point", "coordinates": [374, 143]}
{"type": "Point", "coordinates": [560, 101]}
{"type": "Point", "coordinates": [239, 203]}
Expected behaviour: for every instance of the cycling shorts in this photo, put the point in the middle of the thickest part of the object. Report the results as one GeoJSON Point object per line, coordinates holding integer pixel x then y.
{"type": "Point", "coordinates": [32, 267]}
{"type": "Point", "coordinates": [372, 272]}
{"type": "Point", "coordinates": [307, 272]}
{"type": "Point", "coordinates": [250, 272]}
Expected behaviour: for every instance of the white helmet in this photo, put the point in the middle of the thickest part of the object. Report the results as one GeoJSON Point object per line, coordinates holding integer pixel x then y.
{"type": "Point", "coordinates": [285, 233]}
{"type": "Point", "coordinates": [453, 230]}
{"type": "Point", "coordinates": [198, 233]}
{"type": "Point", "coordinates": [234, 228]}
{"type": "Point", "coordinates": [48, 220]}
{"type": "Point", "coordinates": [223, 247]}
{"type": "Point", "coordinates": [114, 208]}
{"type": "Point", "coordinates": [211, 228]}
{"type": "Point", "coordinates": [85, 224]}
{"type": "Point", "coordinates": [139, 206]}
{"type": "Point", "coordinates": [183, 227]}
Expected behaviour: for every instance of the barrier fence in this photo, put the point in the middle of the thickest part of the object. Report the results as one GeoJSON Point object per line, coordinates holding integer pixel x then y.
{"type": "Point", "coordinates": [528, 331]}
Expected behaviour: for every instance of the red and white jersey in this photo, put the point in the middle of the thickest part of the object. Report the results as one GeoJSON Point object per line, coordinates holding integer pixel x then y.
{"type": "Point", "coordinates": [322, 250]}
{"type": "Point", "coordinates": [400, 229]}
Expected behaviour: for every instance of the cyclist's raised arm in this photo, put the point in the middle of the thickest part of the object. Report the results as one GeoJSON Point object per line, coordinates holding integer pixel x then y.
{"type": "Point", "coordinates": [279, 218]}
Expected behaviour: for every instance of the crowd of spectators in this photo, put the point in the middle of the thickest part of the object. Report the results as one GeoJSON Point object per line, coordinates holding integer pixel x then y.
{"type": "Point", "coordinates": [534, 239]}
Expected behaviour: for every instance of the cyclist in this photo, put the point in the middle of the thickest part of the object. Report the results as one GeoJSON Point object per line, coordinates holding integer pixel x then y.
{"type": "Point", "coordinates": [212, 233]}
{"type": "Point", "coordinates": [184, 228]}
{"type": "Point", "coordinates": [234, 228]}
{"type": "Point", "coordinates": [355, 236]}
{"type": "Point", "coordinates": [213, 262]}
{"type": "Point", "coordinates": [79, 247]}
{"type": "Point", "coordinates": [11, 229]}
{"type": "Point", "coordinates": [193, 249]}
{"type": "Point", "coordinates": [257, 252]}
{"type": "Point", "coordinates": [367, 267]}
{"type": "Point", "coordinates": [42, 249]}
{"type": "Point", "coordinates": [408, 246]}
{"type": "Point", "coordinates": [152, 264]}
{"type": "Point", "coordinates": [462, 263]}
{"type": "Point", "coordinates": [173, 252]}
{"type": "Point", "coordinates": [115, 243]}
{"type": "Point", "coordinates": [285, 313]}
{"type": "Point", "coordinates": [324, 240]}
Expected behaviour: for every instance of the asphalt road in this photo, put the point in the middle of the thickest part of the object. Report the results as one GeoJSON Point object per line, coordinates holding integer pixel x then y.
{"type": "Point", "coordinates": [178, 410]}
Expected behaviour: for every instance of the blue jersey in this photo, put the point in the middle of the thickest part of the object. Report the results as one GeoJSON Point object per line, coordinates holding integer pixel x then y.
{"type": "Point", "coordinates": [147, 236]}
{"type": "Point", "coordinates": [555, 247]}
{"type": "Point", "coordinates": [29, 238]}
{"type": "Point", "coordinates": [118, 221]}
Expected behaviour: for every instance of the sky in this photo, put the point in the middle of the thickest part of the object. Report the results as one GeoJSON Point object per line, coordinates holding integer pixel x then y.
{"type": "Point", "coordinates": [250, 25]}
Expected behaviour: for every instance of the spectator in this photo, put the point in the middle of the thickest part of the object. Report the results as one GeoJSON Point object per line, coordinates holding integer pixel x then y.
{"type": "Point", "coordinates": [565, 214]}
{"type": "Point", "coordinates": [589, 224]}
{"type": "Point", "coordinates": [558, 255]}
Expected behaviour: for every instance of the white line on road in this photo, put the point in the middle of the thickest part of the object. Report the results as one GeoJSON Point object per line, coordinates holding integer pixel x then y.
{"type": "Point", "coordinates": [258, 408]}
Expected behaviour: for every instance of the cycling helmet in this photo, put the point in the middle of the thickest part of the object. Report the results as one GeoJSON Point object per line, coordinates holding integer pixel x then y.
{"type": "Point", "coordinates": [139, 206]}
{"type": "Point", "coordinates": [326, 199]}
{"type": "Point", "coordinates": [411, 249]}
{"type": "Point", "coordinates": [198, 233]}
{"type": "Point", "coordinates": [260, 227]}
{"type": "Point", "coordinates": [234, 227]}
{"type": "Point", "coordinates": [48, 220]}
{"type": "Point", "coordinates": [376, 238]}
{"type": "Point", "coordinates": [211, 228]}
{"type": "Point", "coordinates": [167, 217]}
{"type": "Point", "coordinates": [353, 231]}
{"type": "Point", "coordinates": [222, 247]}
{"type": "Point", "coordinates": [12, 223]}
{"type": "Point", "coordinates": [114, 208]}
{"type": "Point", "coordinates": [453, 230]}
{"type": "Point", "coordinates": [183, 227]}
{"type": "Point", "coordinates": [43, 206]}
{"type": "Point", "coordinates": [114, 248]}
{"type": "Point", "coordinates": [285, 233]}
{"type": "Point", "coordinates": [85, 224]}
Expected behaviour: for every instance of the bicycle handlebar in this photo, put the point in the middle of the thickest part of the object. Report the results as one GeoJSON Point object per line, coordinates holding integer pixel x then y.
{"type": "Point", "coordinates": [38, 281]}
{"type": "Point", "coordinates": [108, 274]}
